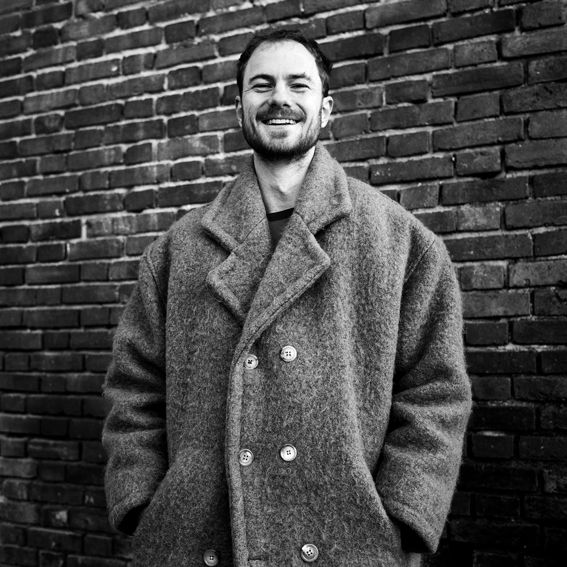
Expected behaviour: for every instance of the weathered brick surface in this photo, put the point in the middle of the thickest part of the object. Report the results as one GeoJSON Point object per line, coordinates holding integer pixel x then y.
{"type": "Point", "coordinates": [116, 116]}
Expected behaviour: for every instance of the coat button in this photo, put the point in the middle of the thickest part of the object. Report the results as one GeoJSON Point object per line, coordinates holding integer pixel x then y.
{"type": "Point", "coordinates": [250, 362]}
{"type": "Point", "coordinates": [288, 353]}
{"type": "Point", "coordinates": [245, 457]}
{"type": "Point", "coordinates": [210, 558]}
{"type": "Point", "coordinates": [288, 452]}
{"type": "Point", "coordinates": [309, 552]}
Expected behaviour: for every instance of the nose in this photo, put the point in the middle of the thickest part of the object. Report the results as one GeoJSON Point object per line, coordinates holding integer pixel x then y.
{"type": "Point", "coordinates": [280, 95]}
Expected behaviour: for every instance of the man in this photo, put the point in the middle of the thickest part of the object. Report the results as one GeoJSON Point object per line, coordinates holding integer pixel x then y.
{"type": "Point", "coordinates": [288, 383]}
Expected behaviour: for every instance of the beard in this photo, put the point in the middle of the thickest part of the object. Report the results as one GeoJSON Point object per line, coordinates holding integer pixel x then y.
{"type": "Point", "coordinates": [273, 148]}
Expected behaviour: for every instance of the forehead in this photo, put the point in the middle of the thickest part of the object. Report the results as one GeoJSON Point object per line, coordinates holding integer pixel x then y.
{"type": "Point", "coordinates": [282, 58]}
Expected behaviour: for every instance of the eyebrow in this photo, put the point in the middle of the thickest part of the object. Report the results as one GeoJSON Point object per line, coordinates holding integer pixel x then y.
{"type": "Point", "coordinates": [267, 77]}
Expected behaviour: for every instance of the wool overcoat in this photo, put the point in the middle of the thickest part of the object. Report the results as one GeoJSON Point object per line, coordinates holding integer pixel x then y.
{"type": "Point", "coordinates": [250, 453]}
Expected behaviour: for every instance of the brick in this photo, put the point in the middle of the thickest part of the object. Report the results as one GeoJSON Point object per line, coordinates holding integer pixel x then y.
{"type": "Point", "coordinates": [488, 247]}
{"type": "Point", "coordinates": [191, 193]}
{"type": "Point", "coordinates": [475, 53]}
{"type": "Point", "coordinates": [230, 20]}
{"type": "Point", "coordinates": [543, 448]}
{"type": "Point", "coordinates": [134, 131]}
{"type": "Point", "coordinates": [555, 480]}
{"type": "Point", "coordinates": [453, 193]}
{"type": "Point", "coordinates": [364, 45]}
{"type": "Point", "coordinates": [496, 303]}
{"type": "Point", "coordinates": [206, 144]}
{"type": "Point", "coordinates": [411, 170]}
{"type": "Point", "coordinates": [234, 44]}
{"type": "Point", "coordinates": [491, 387]}
{"type": "Point", "coordinates": [348, 74]}
{"type": "Point", "coordinates": [137, 63]}
{"type": "Point", "coordinates": [537, 97]}
{"type": "Point", "coordinates": [177, 55]}
{"type": "Point", "coordinates": [438, 221]}
{"type": "Point", "coordinates": [132, 18]}
{"type": "Point", "coordinates": [482, 276]}
{"type": "Point", "coordinates": [17, 254]}
{"type": "Point", "coordinates": [349, 125]}
{"type": "Point", "coordinates": [138, 108]}
{"type": "Point", "coordinates": [550, 302]}
{"type": "Point", "coordinates": [343, 22]}
{"type": "Point", "coordinates": [92, 71]}
{"type": "Point", "coordinates": [140, 175]}
{"type": "Point", "coordinates": [419, 196]}
{"type": "Point", "coordinates": [544, 272]}
{"type": "Point", "coordinates": [478, 80]}
{"type": "Point", "coordinates": [504, 417]}
{"type": "Point", "coordinates": [133, 40]}
{"type": "Point", "coordinates": [553, 361]}
{"type": "Point", "coordinates": [361, 148]}
{"type": "Point", "coordinates": [45, 37]}
{"type": "Point", "coordinates": [49, 57]}
{"type": "Point", "coordinates": [23, 512]}
{"type": "Point", "coordinates": [483, 105]}
{"type": "Point", "coordinates": [479, 217]}
{"type": "Point", "coordinates": [554, 418]}
{"type": "Point", "coordinates": [493, 446]}
{"type": "Point", "coordinates": [489, 505]}
{"type": "Point", "coordinates": [478, 162]}
{"type": "Point", "coordinates": [407, 91]}
{"type": "Point", "coordinates": [401, 12]}
{"type": "Point", "coordinates": [355, 99]}
{"type": "Point", "coordinates": [98, 248]}
{"type": "Point", "coordinates": [539, 331]}
{"type": "Point", "coordinates": [188, 102]}
{"type": "Point", "coordinates": [282, 10]}
{"type": "Point", "coordinates": [56, 450]}
{"type": "Point", "coordinates": [549, 69]}
{"type": "Point", "coordinates": [315, 6]}
{"type": "Point", "coordinates": [138, 200]}
{"type": "Point", "coordinates": [78, 29]}
{"type": "Point", "coordinates": [415, 115]}
{"type": "Point", "coordinates": [478, 134]}
{"type": "Point", "coordinates": [534, 43]}
{"type": "Point", "coordinates": [473, 26]}
{"type": "Point", "coordinates": [550, 184]}
{"type": "Point", "coordinates": [95, 115]}
{"type": "Point", "coordinates": [536, 213]}
{"type": "Point", "coordinates": [485, 333]}
{"type": "Point", "coordinates": [502, 476]}
{"type": "Point", "coordinates": [536, 153]}
{"type": "Point", "coordinates": [182, 126]}
{"type": "Point", "coordinates": [138, 154]}
{"type": "Point", "coordinates": [416, 62]}
{"type": "Point", "coordinates": [230, 165]}
{"type": "Point", "coordinates": [217, 120]}
{"type": "Point", "coordinates": [190, 169]}
{"type": "Point", "coordinates": [550, 124]}
{"type": "Point", "coordinates": [95, 158]}
{"type": "Point", "coordinates": [13, 87]}
{"type": "Point", "coordinates": [409, 38]}
{"type": "Point", "coordinates": [408, 144]}
{"type": "Point", "coordinates": [501, 362]}
{"type": "Point", "coordinates": [542, 14]}
{"type": "Point", "coordinates": [175, 8]}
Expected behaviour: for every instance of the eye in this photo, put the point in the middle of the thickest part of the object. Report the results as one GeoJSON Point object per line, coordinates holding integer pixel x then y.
{"type": "Point", "coordinates": [299, 86]}
{"type": "Point", "coordinates": [261, 87]}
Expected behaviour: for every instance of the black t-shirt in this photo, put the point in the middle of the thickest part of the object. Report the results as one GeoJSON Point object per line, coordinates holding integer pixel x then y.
{"type": "Point", "coordinates": [278, 221]}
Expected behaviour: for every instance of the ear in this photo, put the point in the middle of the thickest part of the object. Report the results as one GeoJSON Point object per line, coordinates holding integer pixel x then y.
{"type": "Point", "coordinates": [238, 108]}
{"type": "Point", "coordinates": [326, 109]}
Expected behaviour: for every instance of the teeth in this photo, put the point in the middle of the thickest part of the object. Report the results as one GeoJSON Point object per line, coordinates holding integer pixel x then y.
{"type": "Point", "coordinates": [278, 121]}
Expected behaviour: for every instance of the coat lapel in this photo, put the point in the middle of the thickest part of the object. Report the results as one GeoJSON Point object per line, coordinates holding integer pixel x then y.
{"type": "Point", "coordinates": [255, 284]}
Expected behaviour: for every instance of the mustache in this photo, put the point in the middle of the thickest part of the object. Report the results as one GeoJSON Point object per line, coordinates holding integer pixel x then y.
{"type": "Point", "coordinates": [277, 112]}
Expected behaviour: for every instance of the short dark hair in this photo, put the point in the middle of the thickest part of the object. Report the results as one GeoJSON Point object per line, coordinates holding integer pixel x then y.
{"type": "Point", "coordinates": [324, 65]}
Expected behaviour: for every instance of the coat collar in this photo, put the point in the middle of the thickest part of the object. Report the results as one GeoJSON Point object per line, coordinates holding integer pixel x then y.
{"type": "Point", "coordinates": [254, 281]}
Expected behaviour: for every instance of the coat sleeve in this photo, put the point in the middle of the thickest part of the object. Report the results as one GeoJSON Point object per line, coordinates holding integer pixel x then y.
{"type": "Point", "coordinates": [134, 434]}
{"type": "Point", "coordinates": [431, 404]}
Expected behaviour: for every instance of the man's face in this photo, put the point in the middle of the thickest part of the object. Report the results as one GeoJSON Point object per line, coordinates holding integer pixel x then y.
{"type": "Point", "coordinates": [282, 108]}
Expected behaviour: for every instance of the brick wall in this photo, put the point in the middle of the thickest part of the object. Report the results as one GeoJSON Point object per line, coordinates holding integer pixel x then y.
{"type": "Point", "coordinates": [116, 116]}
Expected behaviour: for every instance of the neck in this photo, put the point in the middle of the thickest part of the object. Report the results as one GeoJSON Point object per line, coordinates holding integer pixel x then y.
{"type": "Point", "coordinates": [280, 180]}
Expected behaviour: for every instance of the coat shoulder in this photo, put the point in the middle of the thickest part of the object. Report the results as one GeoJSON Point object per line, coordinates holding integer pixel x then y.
{"type": "Point", "coordinates": [384, 221]}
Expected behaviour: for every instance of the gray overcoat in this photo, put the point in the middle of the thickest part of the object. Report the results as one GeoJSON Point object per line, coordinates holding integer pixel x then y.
{"type": "Point", "coordinates": [251, 453]}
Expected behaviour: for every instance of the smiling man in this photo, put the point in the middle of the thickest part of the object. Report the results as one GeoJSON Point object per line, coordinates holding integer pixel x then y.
{"type": "Point", "coordinates": [288, 382]}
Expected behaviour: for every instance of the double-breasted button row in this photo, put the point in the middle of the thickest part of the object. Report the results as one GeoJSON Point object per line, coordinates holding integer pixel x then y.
{"type": "Point", "coordinates": [210, 558]}
{"type": "Point", "coordinates": [288, 353]}
{"type": "Point", "coordinates": [287, 453]}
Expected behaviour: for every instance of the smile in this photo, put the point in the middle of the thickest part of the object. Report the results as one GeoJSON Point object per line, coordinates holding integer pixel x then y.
{"type": "Point", "coordinates": [279, 121]}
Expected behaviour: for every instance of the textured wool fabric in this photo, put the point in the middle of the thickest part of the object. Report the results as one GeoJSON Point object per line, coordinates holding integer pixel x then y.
{"type": "Point", "coordinates": [375, 403]}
